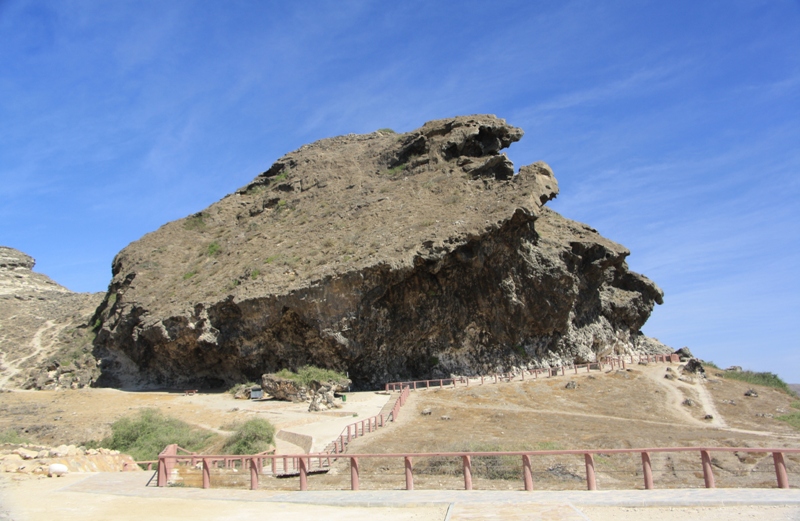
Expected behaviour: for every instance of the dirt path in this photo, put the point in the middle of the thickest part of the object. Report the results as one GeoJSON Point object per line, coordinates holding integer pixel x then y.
{"type": "Point", "coordinates": [14, 367]}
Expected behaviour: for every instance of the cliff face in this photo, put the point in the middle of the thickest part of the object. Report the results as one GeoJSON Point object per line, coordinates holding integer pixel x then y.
{"type": "Point", "coordinates": [388, 256]}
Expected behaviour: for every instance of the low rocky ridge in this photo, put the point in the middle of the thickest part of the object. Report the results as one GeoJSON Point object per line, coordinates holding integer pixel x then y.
{"type": "Point", "coordinates": [36, 459]}
{"type": "Point", "coordinates": [389, 256]}
{"type": "Point", "coordinates": [45, 336]}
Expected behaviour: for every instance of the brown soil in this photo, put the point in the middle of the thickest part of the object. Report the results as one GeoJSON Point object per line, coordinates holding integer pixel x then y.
{"type": "Point", "coordinates": [630, 409]}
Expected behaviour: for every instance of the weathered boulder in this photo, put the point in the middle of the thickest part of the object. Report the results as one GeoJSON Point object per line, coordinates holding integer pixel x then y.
{"type": "Point", "coordinates": [387, 256]}
{"type": "Point", "coordinates": [684, 354]}
{"type": "Point", "coordinates": [319, 394]}
{"type": "Point", "coordinates": [693, 365]}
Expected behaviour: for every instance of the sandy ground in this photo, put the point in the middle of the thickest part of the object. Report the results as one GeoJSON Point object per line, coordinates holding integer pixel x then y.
{"type": "Point", "coordinates": [636, 408]}
{"type": "Point", "coordinates": [122, 496]}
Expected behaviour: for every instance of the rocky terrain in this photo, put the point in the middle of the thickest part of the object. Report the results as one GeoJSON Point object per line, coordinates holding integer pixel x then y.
{"type": "Point", "coordinates": [388, 256]}
{"type": "Point", "coordinates": [45, 336]}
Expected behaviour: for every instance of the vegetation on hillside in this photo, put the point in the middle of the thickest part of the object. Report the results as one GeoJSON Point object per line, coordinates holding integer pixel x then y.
{"type": "Point", "coordinates": [309, 373]}
{"type": "Point", "coordinates": [251, 437]}
{"type": "Point", "coordinates": [758, 378]}
{"type": "Point", "coordinates": [13, 437]}
{"type": "Point", "coordinates": [145, 435]}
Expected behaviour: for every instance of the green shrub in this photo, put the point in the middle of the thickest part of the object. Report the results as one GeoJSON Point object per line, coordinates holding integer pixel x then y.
{"type": "Point", "coordinates": [189, 275]}
{"type": "Point", "coordinates": [309, 373]}
{"type": "Point", "coordinates": [765, 379]}
{"type": "Point", "coordinates": [12, 436]}
{"type": "Point", "coordinates": [251, 437]}
{"type": "Point", "coordinates": [213, 248]}
{"type": "Point", "coordinates": [196, 222]}
{"type": "Point", "coordinates": [396, 170]}
{"type": "Point", "coordinates": [387, 130]}
{"type": "Point", "coordinates": [254, 274]}
{"type": "Point", "coordinates": [282, 176]}
{"type": "Point", "coordinates": [145, 435]}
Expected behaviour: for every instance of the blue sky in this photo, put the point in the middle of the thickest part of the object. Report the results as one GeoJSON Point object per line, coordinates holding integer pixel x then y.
{"type": "Point", "coordinates": [673, 127]}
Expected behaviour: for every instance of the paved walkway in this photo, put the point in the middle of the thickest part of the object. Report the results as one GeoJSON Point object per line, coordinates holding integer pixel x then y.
{"type": "Point", "coordinates": [125, 496]}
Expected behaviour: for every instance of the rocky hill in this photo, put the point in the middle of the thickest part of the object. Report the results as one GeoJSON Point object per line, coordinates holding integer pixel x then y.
{"type": "Point", "coordinates": [45, 338]}
{"type": "Point", "coordinates": [386, 255]}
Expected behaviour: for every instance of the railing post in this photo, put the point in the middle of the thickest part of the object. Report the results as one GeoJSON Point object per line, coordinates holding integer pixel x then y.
{"type": "Point", "coordinates": [348, 434]}
{"type": "Point", "coordinates": [381, 420]}
{"type": "Point", "coordinates": [527, 475]}
{"type": "Point", "coordinates": [274, 466]}
{"type": "Point", "coordinates": [481, 379]}
{"type": "Point", "coordinates": [254, 473]}
{"type": "Point", "coordinates": [647, 470]}
{"type": "Point", "coordinates": [303, 474]}
{"type": "Point", "coordinates": [440, 384]}
{"type": "Point", "coordinates": [780, 470]}
{"type": "Point", "coordinates": [708, 472]}
{"type": "Point", "coordinates": [162, 471]}
{"type": "Point", "coordinates": [206, 474]}
{"type": "Point", "coordinates": [467, 472]}
{"type": "Point", "coordinates": [353, 473]}
{"type": "Point", "coordinates": [591, 482]}
{"type": "Point", "coordinates": [409, 473]}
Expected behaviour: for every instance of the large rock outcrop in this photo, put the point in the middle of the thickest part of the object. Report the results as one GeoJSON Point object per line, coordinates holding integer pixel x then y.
{"type": "Point", "coordinates": [45, 335]}
{"type": "Point", "coordinates": [388, 256]}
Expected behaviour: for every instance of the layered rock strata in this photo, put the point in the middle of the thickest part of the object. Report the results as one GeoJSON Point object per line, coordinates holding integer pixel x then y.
{"type": "Point", "coordinates": [390, 256]}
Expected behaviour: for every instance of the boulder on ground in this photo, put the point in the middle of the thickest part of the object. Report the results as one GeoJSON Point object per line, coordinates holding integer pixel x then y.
{"type": "Point", "coordinates": [321, 395]}
{"type": "Point", "coordinates": [684, 354]}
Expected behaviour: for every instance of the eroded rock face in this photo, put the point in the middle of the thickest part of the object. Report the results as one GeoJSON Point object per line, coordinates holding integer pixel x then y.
{"type": "Point", "coordinates": [388, 256]}
{"type": "Point", "coordinates": [45, 335]}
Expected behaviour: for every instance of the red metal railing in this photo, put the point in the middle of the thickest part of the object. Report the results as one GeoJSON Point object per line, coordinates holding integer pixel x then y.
{"type": "Point", "coordinates": [367, 425]}
{"type": "Point", "coordinates": [616, 361]}
{"type": "Point", "coordinates": [167, 460]}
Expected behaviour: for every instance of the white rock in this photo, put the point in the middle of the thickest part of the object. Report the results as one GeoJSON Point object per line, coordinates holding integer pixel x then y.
{"type": "Point", "coordinates": [58, 470]}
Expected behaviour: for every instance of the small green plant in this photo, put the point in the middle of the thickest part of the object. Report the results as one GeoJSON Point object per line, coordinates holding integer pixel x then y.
{"type": "Point", "coordinates": [213, 248]}
{"type": "Point", "coordinates": [12, 436]}
{"type": "Point", "coordinates": [112, 299]}
{"type": "Point", "coordinates": [309, 373]}
{"type": "Point", "coordinates": [396, 170]}
{"type": "Point", "coordinates": [387, 131]}
{"type": "Point", "coordinates": [254, 274]}
{"type": "Point", "coordinates": [251, 437]}
{"type": "Point", "coordinates": [239, 387]}
{"type": "Point", "coordinates": [793, 419]}
{"type": "Point", "coordinates": [282, 176]}
{"type": "Point", "coordinates": [145, 435]}
{"type": "Point", "coordinates": [189, 274]}
{"type": "Point", "coordinates": [796, 405]}
{"type": "Point", "coordinates": [758, 378]}
{"type": "Point", "coordinates": [547, 445]}
{"type": "Point", "coordinates": [196, 222]}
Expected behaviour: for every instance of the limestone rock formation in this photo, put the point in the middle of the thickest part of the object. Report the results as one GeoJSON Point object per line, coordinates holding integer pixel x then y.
{"type": "Point", "coordinates": [390, 256]}
{"type": "Point", "coordinates": [320, 394]}
{"type": "Point", "coordinates": [45, 336]}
